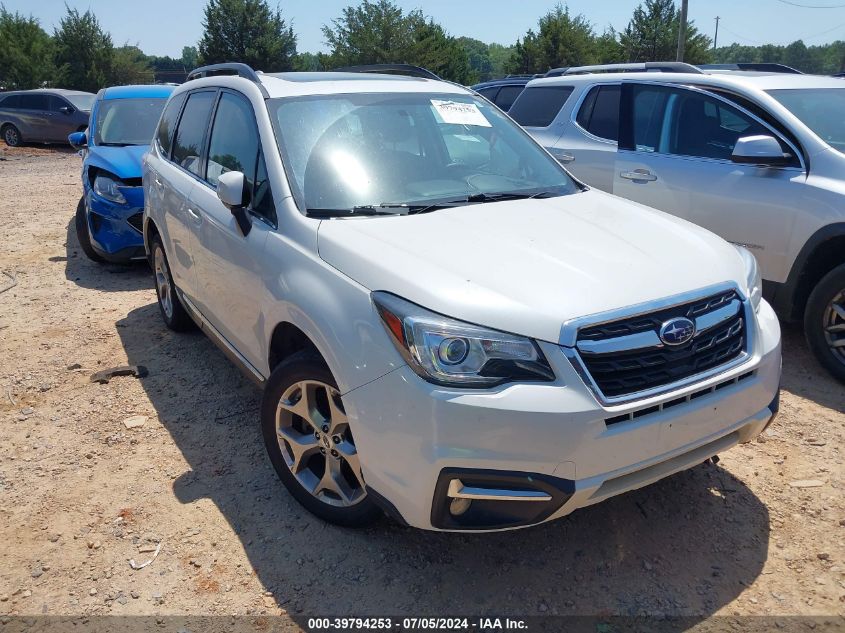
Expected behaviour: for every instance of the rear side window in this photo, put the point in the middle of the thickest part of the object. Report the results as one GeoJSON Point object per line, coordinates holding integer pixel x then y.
{"type": "Point", "coordinates": [599, 113]}
{"type": "Point", "coordinates": [35, 102]}
{"type": "Point", "coordinates": [187, 147]}
{"type": "Point", "coordinates": [12, 102]}
{"type": "Point", "coordinates": [507, 95]}
{"type": "Point", "coordinates": [489, 93]}
{"type": "Point", "coordinates": [538, 106]}
{"type": "Point", "coordinates": [167, 125]}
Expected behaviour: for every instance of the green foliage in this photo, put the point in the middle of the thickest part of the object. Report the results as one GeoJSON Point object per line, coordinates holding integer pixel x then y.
{"type": "Point", "coordinates": [825, 59]}
{"type": "Point", "coordinates": [652, 35]}
{"type": "Point", "coordinates": [129, 66]}
{"type": "Point", "coordinates": [380, 32]}
{"type": "Point", "coordinates": [499, 58]}
{"type": "Point", "coordinates": [26, 52]}
{"type": "Point", "coordinates": [83, 52]}
{"type": "Point", "coordinates": [562, 39]}
{"type": "Point", "coordinates": [190, 57]}
{"type": "Point", "coordinates": [307, 62]}
{"type": "Point", "coordinates": [478, 57]}
{"type": "Point", "coordinates": [246, 31]}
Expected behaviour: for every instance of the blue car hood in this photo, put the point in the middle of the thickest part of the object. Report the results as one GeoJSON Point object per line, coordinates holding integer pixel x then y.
{"type": "Point", "coordinates": [123, 162]}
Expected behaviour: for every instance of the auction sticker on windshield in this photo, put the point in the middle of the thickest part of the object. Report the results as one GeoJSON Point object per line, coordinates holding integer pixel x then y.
{"type": "Point", "coordinates": [460, 113]}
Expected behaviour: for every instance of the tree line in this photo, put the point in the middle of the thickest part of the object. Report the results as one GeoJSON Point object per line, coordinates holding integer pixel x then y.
{"type": "Point", "coordinates": [80, 54]}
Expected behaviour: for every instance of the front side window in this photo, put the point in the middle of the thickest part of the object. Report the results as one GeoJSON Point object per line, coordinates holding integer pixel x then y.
{"type": "Point", "coordinates": [188, 144]}
{"type": "Point", "coordinates": [234, 146]}
{"type": "Point", "coordinates": [123, 122]}
{"type": "Point", "coordinates": [82, 102]}
{"type": "Point", "coordinates": [167, 125]}
{"type": "Point", "coordinates": [538, 106]}
{"type": "Point", "coordinates": [820, 109]}
{"type": "Point", "coordinates": [346, 151]}
{"type": "Point", "coordinates": [687, 123]}
{"type": "Point", "coordinates": [599, 112]}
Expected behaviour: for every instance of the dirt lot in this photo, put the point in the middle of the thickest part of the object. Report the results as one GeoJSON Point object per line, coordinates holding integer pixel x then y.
{"type": "Point", "coordinates": [81, 494]}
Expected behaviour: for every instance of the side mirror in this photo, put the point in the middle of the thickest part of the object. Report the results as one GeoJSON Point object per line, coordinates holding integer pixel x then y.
{"type": "Point", "coordinates": [759, 150]}
{"type": "Point", "coordinates": [231, 189]}
{"type": "Point", "coordinates": [78, 140]}
{"type": "Point", "coordinates": [66, 110]}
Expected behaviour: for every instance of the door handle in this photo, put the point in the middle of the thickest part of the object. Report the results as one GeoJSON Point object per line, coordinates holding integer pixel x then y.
{"type": "Point", "coordinates": [195, 216]}
{"type": "Point", "coordinates": [157, 181]}
{"type": "Point", "coordinates": [643, 175]}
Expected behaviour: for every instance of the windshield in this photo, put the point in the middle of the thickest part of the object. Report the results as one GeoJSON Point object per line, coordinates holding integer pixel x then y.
{"type": "Point", "coordinates": [373, 150]}
{"type": "Point", "coordinates": [820, 109]}
{"type": "Point", "coordinates": [80, 102]}
{"type": "Point", "coordinates": [127, 121]}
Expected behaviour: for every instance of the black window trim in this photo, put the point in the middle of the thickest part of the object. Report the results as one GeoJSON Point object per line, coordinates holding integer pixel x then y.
{"type": "Point", "coordinates": [573, 118]}
{"type": "Point", "coordinates": [272, 222]}
{"type": "Point", "coordinates": [626, 125]}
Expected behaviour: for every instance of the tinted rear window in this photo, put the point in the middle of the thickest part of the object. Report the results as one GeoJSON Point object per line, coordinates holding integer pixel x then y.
{"type": "Point", "coordinates": [538, 107]}
{"type": "Point", "coordinates": [12, 101]}
{"type": "Point", "coordinates": [35, 102]}
{"type": "Point", "coordinates": [507, 95]}
{"type": "Point", "coordinates": [168, 124]}
{"type": "Point", "coordinates": [599, 113]}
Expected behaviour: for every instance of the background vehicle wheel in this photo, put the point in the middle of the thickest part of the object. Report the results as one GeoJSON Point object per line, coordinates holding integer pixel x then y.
{"type": "Point", "coordinates": [82, 233]}
{"type": "Point", "coordinates": [172, 311]}
{"type": "Point", "coordinates": [824, 322]}
{"type": "Point", "coordinates": [12, 136]}
{"type": "Point", "coordinates": [310, 443]}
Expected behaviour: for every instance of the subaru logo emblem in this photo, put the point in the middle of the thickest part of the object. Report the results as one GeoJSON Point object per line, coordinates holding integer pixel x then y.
{"type": "Point", "coordinates": [677, 331]}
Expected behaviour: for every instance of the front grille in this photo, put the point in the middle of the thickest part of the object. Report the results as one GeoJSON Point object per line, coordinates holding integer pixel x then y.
{"type": "Point", "coordinates": [720, 338]}
{"type": "Point", "coordinates": [136, 221]}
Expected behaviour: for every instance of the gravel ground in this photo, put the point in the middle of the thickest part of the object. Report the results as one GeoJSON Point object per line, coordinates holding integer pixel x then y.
{"type": "Point", "coordinates": [81, 493]}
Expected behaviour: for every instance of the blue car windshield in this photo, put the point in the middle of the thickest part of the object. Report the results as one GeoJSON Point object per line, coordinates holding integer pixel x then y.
{"type": "Point", "coordinates": [127, 121]}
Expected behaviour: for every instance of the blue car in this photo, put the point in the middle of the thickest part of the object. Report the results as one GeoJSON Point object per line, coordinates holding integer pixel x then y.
{"type": "Point", "coordinates": [109, 215]}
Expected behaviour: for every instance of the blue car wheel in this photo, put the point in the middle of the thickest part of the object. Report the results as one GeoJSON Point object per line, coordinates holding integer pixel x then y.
{"type": "Point", "coordinates": [82, 233]}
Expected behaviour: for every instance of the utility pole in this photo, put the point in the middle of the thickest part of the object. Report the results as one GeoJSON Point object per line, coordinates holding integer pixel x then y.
{"type": "Point", "coordinates": [716, 37]}
{"type": "Point", "coordinates": [682, 30]}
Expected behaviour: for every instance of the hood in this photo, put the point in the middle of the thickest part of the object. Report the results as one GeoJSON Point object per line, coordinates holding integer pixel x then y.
{"type": "Point", "coordinates": [123, 162]}
{"type": "Point", "coordinates": [527, 266]}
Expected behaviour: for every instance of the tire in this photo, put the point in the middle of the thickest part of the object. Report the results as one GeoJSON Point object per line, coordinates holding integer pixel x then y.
{"type": "Point", "coordinates": [82, 233]}
{"type": "Point", "coordinates": [172, 311]}
{"type": "Point", "coordinates": [824, 322]}
{"type": "Point", "coordinates": [12, 136]}
{"type": "Point", "coordinates": [322, 439]}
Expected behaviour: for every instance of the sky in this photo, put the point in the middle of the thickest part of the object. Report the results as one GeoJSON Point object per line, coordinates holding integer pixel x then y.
{"type": "Point", "coordinates": [163, 27]}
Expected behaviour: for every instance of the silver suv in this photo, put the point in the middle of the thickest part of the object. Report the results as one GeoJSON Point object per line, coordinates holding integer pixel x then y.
{"type": "Point", "coordinates": [758, 158]}
{"type": "Point", "coordinates": [43, 116]}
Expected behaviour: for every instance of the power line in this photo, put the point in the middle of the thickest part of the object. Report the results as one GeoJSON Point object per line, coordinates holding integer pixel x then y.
{"type": "Point", "coordinates": [812, 6]}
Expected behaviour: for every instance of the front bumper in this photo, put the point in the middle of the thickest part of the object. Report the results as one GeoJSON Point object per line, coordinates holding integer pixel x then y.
{"type": "Point", "coordinates": [423, 446]}
{"type": "Point", "coordinates": [115, 229]}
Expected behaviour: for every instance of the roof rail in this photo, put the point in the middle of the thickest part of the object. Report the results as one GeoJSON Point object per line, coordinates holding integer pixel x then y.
{"type": "Point", "coordinates": [555, 72]}
{"type": "Point", "coordinates": [408, 70]}
{"type": "Point", "coordinates": [661, 67]}
{"type": "Point", "coordinates": [764, 67]}
{"type": "Point", "coordinates": [229, 68]}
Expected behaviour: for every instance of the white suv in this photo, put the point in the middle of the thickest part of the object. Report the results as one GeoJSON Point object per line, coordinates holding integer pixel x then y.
{"type": "Point", "coordinates": [446, 325]}
{"type": "Point", "coordinates": [758, 158]}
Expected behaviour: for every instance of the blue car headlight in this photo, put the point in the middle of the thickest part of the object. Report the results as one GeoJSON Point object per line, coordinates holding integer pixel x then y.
{"type": "Point", "coordinates": [109, 188]}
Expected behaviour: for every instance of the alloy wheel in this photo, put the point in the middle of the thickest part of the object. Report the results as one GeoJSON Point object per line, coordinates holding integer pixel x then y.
{"type": "Point", "coordinates": [11, 137]}
{"type": "Point", "coordinates": [317, 445]}
{"type": "Point", "coordinates": [162, 277]}
{"type": "Point", "coordinates": [834, 326]}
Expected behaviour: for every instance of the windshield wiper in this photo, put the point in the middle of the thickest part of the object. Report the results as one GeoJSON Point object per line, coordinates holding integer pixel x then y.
{"type": "Point", "coordinates": [362, 210]}
{"type": "Point", "coordinates": [480, 197]}
{"type": "Point", "coordinates": [115, 144]}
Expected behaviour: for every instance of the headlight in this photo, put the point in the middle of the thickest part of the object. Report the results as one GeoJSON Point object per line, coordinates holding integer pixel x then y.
{"type": "Point", "coordinates": [449, 352]}
{"type": "Point", "coordinates": [753, 280]}
{"type": "Point", "coordinates": [107, 188]}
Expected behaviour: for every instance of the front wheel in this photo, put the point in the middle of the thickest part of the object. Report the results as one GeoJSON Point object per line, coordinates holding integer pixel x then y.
{"type": "Point", "coordinates": [82, 233]}
{"type": "Point", "coordinates": [310, 444]}
{"type": "Point", "coordinates": [824, 322]}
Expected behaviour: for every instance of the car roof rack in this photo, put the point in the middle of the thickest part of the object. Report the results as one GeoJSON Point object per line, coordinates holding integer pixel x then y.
{"type": "Point", "coordinates": [661, 67]}
{"type": "Point", "coordinates": [763, 67]}
{"type": "Point", "coordinates": [228, 68]}
{"type": "Point", "coordinates": [408, 70]}
{"type": "Point", "coordinates": [556, 72]}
